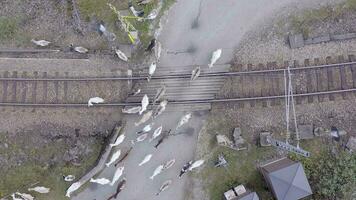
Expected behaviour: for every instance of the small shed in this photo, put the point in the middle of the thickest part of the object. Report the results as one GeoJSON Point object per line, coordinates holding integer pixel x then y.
{"type": "Point", "coordinates": [286, 179]}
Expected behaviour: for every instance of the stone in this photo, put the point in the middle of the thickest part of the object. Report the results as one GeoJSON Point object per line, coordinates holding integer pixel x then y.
{"type": "Point", "coordinates": [351, 144]}
{"type": "Point", "coordinates": [222, 140]}
{"type": "Point", "coordinates": [346, 36]}
{"type": "Point", "coordinates": [263, 139]}
{"type": "Point", "coordinates": [229, 195]}
{"type": "Point", "coordinates": [240, 143]}
{"type": "Point", "coordinates": [240, 190]}
{"type": "Point", "coordinates": [296, 41]}
{"type": "Point", "coordinates": [320, 131]}
{"type": "Point", "coordinates": [306, 132]}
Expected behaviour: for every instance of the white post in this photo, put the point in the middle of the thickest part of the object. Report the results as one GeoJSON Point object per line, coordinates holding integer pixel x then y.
{"type": "Point", "coordinates": [286, 92]}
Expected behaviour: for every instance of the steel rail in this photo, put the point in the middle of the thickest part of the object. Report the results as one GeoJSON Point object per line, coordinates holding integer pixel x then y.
{"type": "Point", "coordinates": [224, 100]}
{"type": "Point", "coordinates": [29, 50]}
{"type": "Point", "coordinates": [173, 76]}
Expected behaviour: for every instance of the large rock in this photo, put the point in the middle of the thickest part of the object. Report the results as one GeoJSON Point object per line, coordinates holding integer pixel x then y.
{"type": "Point", "coordinates": [351, 144]}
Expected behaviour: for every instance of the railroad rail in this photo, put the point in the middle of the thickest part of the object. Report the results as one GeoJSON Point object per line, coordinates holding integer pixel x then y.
{"type": "Point", "coordinates": [254, 84]}
{"type": "Point", "coordinates": [178, 76]}
{"type": "Point", "coordinates": [223, 100]}
{"type": "Point", "coordinates": [55, 53]}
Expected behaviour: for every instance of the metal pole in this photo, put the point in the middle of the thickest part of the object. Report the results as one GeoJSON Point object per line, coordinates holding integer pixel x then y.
{"type": "Point", "coordinates": [287, 106]}
{"type": "Point", "coordinates": [293, 108]}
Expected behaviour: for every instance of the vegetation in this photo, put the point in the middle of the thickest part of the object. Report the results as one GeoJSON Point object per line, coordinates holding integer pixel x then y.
{"type": "Point", "coordinates": [242, 169]}
{"type": "Point", "coordinates": [351, 4]}
{"type": "Point", "coordinates": [8, 28]}
{"type": "Point", "coordinates": [100, 10]}
{"type": "Point", "coordinates": [21, 177]}
{"type": "Point", "coordinates": [331, 176]}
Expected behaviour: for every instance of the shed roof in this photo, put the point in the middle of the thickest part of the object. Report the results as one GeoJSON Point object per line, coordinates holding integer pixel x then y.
{"type": "Point", "coordinates": [288, 182]}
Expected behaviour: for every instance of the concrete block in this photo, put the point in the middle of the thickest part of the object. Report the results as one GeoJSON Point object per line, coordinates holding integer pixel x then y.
{"type": "Point", "coordinates": [317, 40]}
{"type": "Point", "coordinates": [346, 36]}
{"type": "Point", "coordinates": [296, 41]}
{"type": "Point", "coordinates": [229, 195]}
{"type": "Point", "coordinates": [263, 139]}
{"type": "Point", "coordinates": [306, 132]}
{"type": "Point", "coordinates": [351, 144]}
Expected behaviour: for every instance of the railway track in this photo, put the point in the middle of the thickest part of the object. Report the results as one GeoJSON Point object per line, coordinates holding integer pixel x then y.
{"type": "Point", "coordinates": [54, 53]}
{"type": "Point", "coordinates": [260, 84]}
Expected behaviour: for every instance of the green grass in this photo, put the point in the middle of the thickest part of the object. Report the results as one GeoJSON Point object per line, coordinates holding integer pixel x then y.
{"type": "Point", "coordinates": [241, 170]}
{"type": "Point", "coordinates": [100, 10]}
{"type": "Point", "coordinates": [8, 28]}
{"type": "Point", "coordinates": [19, 178]}
{"type": "Point", "coordinates": [351, 4]}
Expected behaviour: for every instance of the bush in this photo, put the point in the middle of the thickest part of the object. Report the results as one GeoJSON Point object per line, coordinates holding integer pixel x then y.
{"type": "Point", "coordinates": [331, 176]}
{"type": "Point", "coordinates": [8, 28]}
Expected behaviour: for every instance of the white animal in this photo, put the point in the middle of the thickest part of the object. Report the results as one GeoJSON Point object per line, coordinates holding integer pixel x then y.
{"type": "Point", "coordinates": [75, 186]}
{"type": "Point", "coordinates": [196, 164]}
{"type": "Point", "coordinates": [118, 140]}
{"type": "Point", "coordinates": [101, 181]}
{"type": "Point", "coordinates": [164, 186]}
{"type": "Point", "coordinates": [144, 118]}
{"type": "Point", "coordinates": [157, 171]}
{"type": "Point", "coordinates": [169, 164]}
{"type": "Point", "coordinates": [14, 197]}
{"type": "Point", "coordinates": [137, 92]}
{"type": "Point", "coordinates": [144, 2]}
{"type": "Point", "coordinates": [156, 133]}
{"type": "Point", "coordinates": [144, 104]}
{"type": "Point", "coordinates": [117, 175]}
{"type": "Point", "coordinates": [134, 11]}
{"type": "Point", "coordinates": [25, 196]}
{"type": "Point", "coordinates": [141, 137]}
{"type": "Point", "coordinates": [132, 110]}
{"type": "Point", "coordinates": [151, 70]}
{"type": "Point", "coordinates": [41, 43]}
{"type": "Point", "coordinates": [146, 129]}
{"type": "Point", "coordinates": [121, 55]}
{"type": "Point", "coordinates": [152, 15]}
{"type": "Point", "coordinates": [184, 120]}
{"type": "Point", "coordinates": [195, 73]}
{"type": "Point", "coordinates": [95, 100]}
{"type": "Point", "coordinates": [80, 49]}
{"type": "Point", "coordinates": [110, 36]}
{"type": "Point", "coordinates": [39, 189]}
{"type": "Point", "coordinates": [216, 55]}
{"type": "Point", "coordinates": [159, 94]}
{"type": "Point", "coordinates": [69, 178]}
{"type": "Point", "coordinates": [161, 108]}
{"type": "Point", "coordinates": [158, 50]}
{"type": "Point", "coordinates": [114, 157]}
{"type": "Point", "coordinates": [146, 159]}
{"type": "Point", "coordinates": [102, 28]}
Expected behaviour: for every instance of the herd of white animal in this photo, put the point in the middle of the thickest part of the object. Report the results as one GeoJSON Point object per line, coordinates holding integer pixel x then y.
{"type": "Point", "coordinates": [145, 117]}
